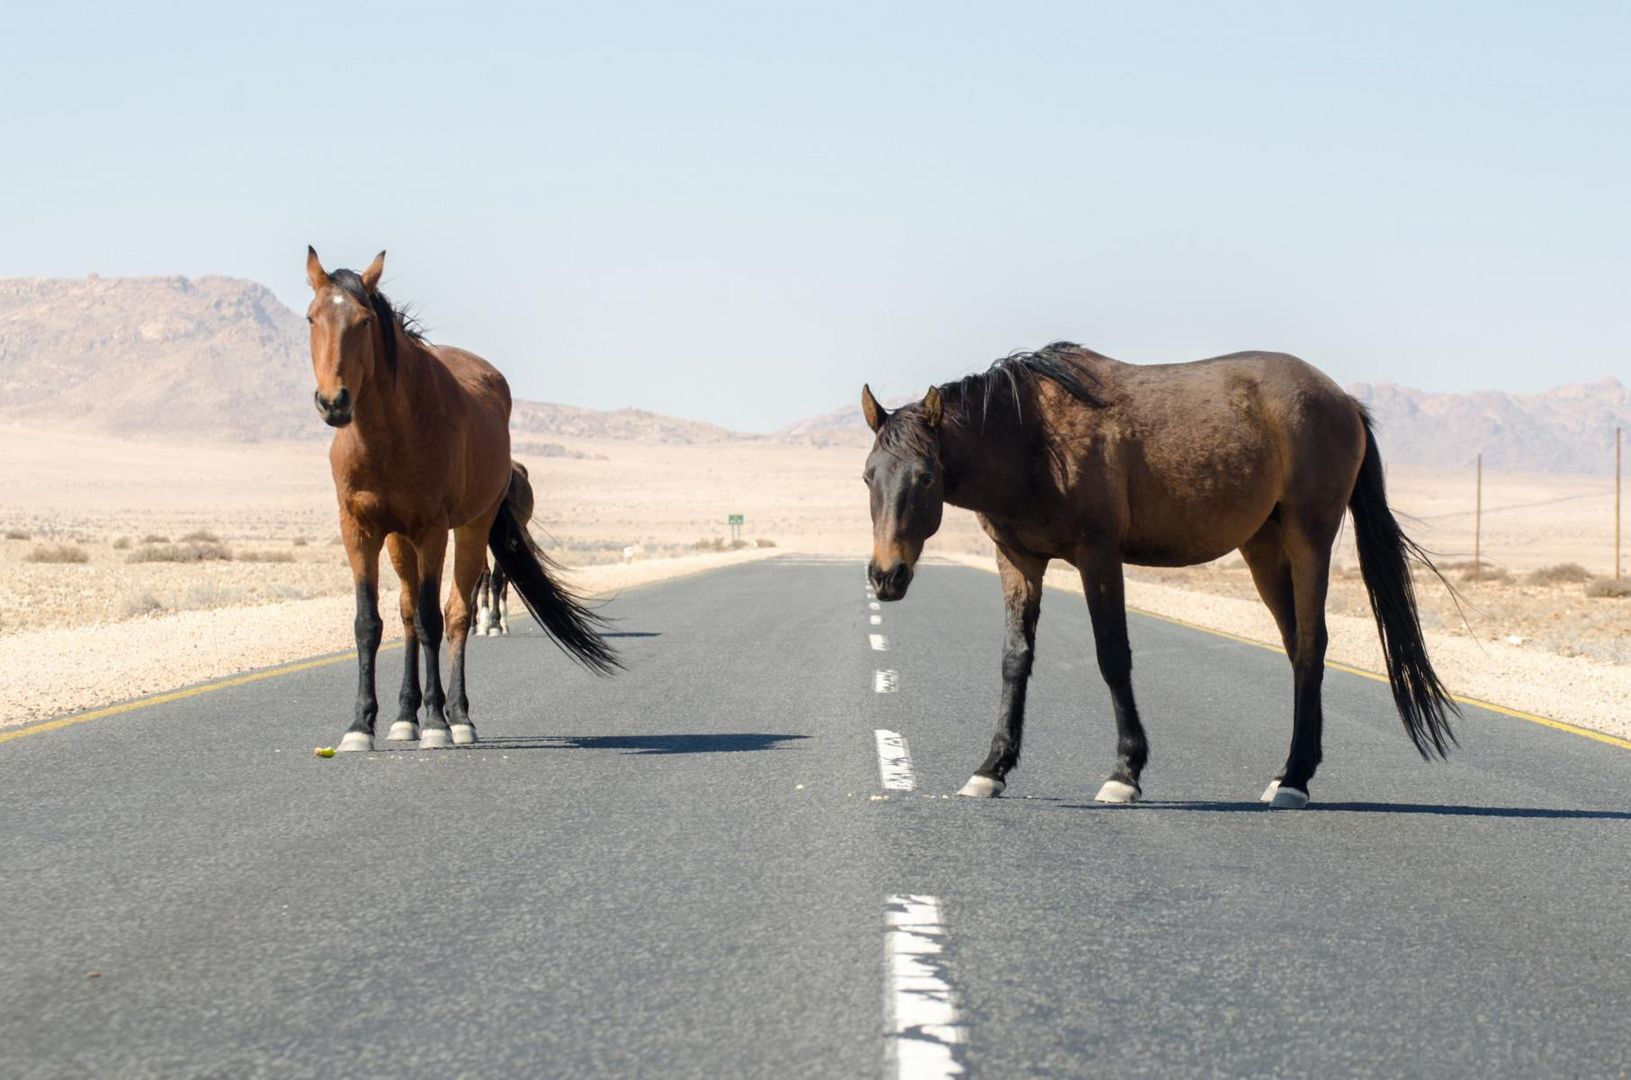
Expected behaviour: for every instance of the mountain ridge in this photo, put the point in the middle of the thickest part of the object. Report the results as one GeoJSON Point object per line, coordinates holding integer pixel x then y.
{"type": "Point", "coordinates": [222, 357]}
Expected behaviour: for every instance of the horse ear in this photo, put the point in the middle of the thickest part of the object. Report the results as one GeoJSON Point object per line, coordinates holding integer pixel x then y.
{"type": "Point", "coordinates": [875, 414]}
{"type": "Point", "coordinates": [314, 269]}
{"type": "Point", "coordinates": [931, 407]}
{"type": "Point", "coordinates": [370, 276]}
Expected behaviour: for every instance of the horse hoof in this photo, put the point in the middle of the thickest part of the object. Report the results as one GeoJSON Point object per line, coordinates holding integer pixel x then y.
{"type": "Point", "coordinates": [1117, 791]}
{"type": "Point", "coordinates": [355, 742]}
{"type": "Point", "coordinates": [1268, 792]}
{"type": "Point", "coordinates": [982, 787]}
{"type": "Point", "coordinates": [464, 734]}
{"type": "Point", "coordinates": [434, 739]}
{"type": "Point", "coordinates": [1288, 798]}
{"type": "Point", "coordinates": [403, 731]}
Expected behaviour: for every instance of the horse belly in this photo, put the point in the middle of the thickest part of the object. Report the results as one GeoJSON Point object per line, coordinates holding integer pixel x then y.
{"type": "Point", "coordinates": [1203, 510]}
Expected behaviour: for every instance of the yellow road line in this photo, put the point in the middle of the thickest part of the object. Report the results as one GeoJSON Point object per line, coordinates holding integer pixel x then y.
{"type": "Point", "coordinates": [178, 695]}
{"type": "Point", "coordinates": [1544, 721]}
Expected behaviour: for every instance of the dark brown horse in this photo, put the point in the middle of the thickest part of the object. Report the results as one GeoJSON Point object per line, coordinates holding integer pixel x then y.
{"type": "Point", "coordinates": [1066, 454]}
{"type": "Point", "coordinates": [422, 447]}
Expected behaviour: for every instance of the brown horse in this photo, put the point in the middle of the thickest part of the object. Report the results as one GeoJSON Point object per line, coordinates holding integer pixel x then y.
{"type": "Point", "coordinates": [421, 447]}
{"type": "Point", "coordinates": [493, 587]}
{"type": "Point", "coordinates": [1066, 454]}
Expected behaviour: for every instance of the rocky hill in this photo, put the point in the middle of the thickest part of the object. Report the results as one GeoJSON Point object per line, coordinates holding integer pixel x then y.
{"type": "Point", "coordinates": [1569, 429]}
{"type": "Point", "coordinates": [213, 357]}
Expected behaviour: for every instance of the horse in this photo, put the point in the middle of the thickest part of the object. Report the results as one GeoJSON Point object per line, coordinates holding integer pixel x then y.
{"type": "Point", "coordinates": [1064, 453]}
{"type": "Point", "coordinates": [421, 447]}
{"type": "Point", "coordinates": [493, 586]}
{"type": "Point", "coordinates": [492, 603]}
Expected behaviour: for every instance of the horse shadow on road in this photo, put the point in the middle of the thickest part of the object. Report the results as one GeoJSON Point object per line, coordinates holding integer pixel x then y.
{"type": "Point", "coordinates": [676, 743]}
{"type": "Point", "coordinates": [1446, 810]}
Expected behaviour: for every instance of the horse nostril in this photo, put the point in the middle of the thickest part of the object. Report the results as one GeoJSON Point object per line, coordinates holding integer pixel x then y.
{"type": "Point", "coordinates": [342, 400]}
{"type": "Point", "coordinates": [898, 576]}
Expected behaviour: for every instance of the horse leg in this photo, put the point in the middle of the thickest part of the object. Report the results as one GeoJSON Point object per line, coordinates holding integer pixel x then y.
{"type": "Point", "coordinates": [406, 562]}
{"type": "Point", "coordinates": [501, 600]}
{"type": "Point", "coordinates": [1265, 554]}
{"type": "Point", "coordinates": [432, 550]}
{"type": "Point", "coordinates": [1022, 592]}
{"type": "Point", "coordinates": [485, 620]}
{"type": "Point", "coordinates": [1107, 606]}
{"type": "Point", "coordinates": [1309, 551]}
{"type": "Point", "coordinates": [362, 549]}
{"type": "Point", "coordinates": [469, 556]}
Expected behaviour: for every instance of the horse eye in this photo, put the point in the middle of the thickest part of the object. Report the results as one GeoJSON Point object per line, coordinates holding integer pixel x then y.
{"type": "Point", "coordinates": [308, 318]}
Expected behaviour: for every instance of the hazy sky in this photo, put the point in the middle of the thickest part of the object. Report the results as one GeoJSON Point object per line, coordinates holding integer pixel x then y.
{"type": "Point", "coordinates": [739, 212]}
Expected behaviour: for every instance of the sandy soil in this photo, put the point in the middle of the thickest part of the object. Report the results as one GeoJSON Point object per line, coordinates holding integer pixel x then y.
{"type": "Point", "coordinates": [68, 669]}
{"type": "Point", "coordinates": [115, 621]}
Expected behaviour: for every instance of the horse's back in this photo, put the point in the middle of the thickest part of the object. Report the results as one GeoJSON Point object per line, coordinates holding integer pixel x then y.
{"type": "Point", "coordinates": [485, 385]}
{"type": "Point", "coordinates": [1206, 450]}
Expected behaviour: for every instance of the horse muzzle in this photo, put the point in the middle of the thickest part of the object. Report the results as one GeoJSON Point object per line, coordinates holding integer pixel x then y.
{"type": "Point", "coordinates": [890, 584]}
{"type": "Point", "coordinates": [336, 411]}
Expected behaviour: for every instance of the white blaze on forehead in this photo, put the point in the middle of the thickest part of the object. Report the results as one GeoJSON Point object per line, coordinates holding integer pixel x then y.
{"type": "Point", "coordinates": [338, 299]}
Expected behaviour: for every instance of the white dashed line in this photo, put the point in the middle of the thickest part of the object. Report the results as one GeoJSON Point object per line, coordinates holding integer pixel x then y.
{"type": "Point", "coordinates": [877, 620]}
{"type": "Point", "coordinates": [925, 1035]}
{"type": "Point", "coordinates": [885, 682]}
{"type": "Point", "coordinates": [875, 606]}
{"type": "Point", "coordinates": [894, 761]}
{"type": "Point", "coordinates": [879, 642]}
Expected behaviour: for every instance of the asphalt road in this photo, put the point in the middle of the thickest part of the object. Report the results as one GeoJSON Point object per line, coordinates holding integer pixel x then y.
{"type": "Point", "coordinates": [689, 870]}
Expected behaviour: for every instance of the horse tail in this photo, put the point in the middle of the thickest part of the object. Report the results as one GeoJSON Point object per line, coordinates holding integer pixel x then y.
{"type": "Point", "coordinates": [570, 625]}
{"type": "Point", "coordinates": [1384, 562]}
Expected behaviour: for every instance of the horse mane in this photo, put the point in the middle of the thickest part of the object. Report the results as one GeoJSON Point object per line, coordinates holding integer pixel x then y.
{"type": "Point", "coordinates": [388, 314]}
{"type": "Point", "coordinates": [973, 399]}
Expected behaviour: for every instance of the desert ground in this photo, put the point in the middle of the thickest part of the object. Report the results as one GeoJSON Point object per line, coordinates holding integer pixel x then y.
{"type": "Point", "coordinates": [136, 566]}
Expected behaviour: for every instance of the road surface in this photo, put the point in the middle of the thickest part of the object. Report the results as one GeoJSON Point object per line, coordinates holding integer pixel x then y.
{"type": "Point", "coordinates": [691, 870]}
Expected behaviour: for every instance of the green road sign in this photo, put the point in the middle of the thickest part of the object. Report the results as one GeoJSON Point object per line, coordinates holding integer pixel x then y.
{"type": "Point", "coordinates": [737, 519]}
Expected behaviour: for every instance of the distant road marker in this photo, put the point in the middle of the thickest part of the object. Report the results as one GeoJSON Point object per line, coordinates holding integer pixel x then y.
{"type": "Point", "coordinates": [877, 620]}
{"type": "Point", "coordinates": [885, 682]}
{"type": "Point", "coordinates": [879, 642]}
{"type": "Point", "coordinates": [926, 1036]}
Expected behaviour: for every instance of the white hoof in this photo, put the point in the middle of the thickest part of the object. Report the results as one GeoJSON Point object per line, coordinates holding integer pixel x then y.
{"type": "Point", "coordinates": [982, 787]}
{"type": "Point", "coordinates": [403, 731]}
{"type": "Point", "coordinates": [1288, 798]}
{"type": "Point", "coordinates": [492, 631]}
{"type": "Point", "coordinates": [435, 739]}
{"type": "Point", "coordinates": [1116, 791]}
{"type": "Point", "coordinates": [464, 734]}
{"type": "Point", "coordinates": [355, 741]}
{"type": "Point", "coordinates": [1268, 792]}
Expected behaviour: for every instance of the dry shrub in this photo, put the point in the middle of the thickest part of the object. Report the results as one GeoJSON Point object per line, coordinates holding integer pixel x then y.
{"type": "Point", "coordinates": [762, 542]}
{"type": "Point", "coordinates": [200, 536]}
{"type": "Point", "coordinates": [300, 541]}
{"type": "Point", "coordinates": [210, 594]}
{"type": "Point", "coordinates": [19, 534]}
{"type": "Point", "coordinates": [1608, 589]}
{"type": "Point", "coordinates": [57, 553]}
{"type": "Point", "coordinates": [1470, 570]}
{"type": "Point", "coordinates": [122, 544]}
{"type": "Point", "coordinates": [181, 553]}
{"type": "Point", "coordinates": [1567, 573]}
{"type": "Point", "coordinates": [138, 605]}
{"type": "Point", "coordinates": [155, 538]}
{"type": "Point", "coordinates": [264, 556]}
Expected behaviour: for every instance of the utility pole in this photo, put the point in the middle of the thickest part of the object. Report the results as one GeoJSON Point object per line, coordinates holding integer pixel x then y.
{"type": "Point", "coordinates": [1478, 525]}
{"type": "Point", "coordinates": [1616, 504]}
